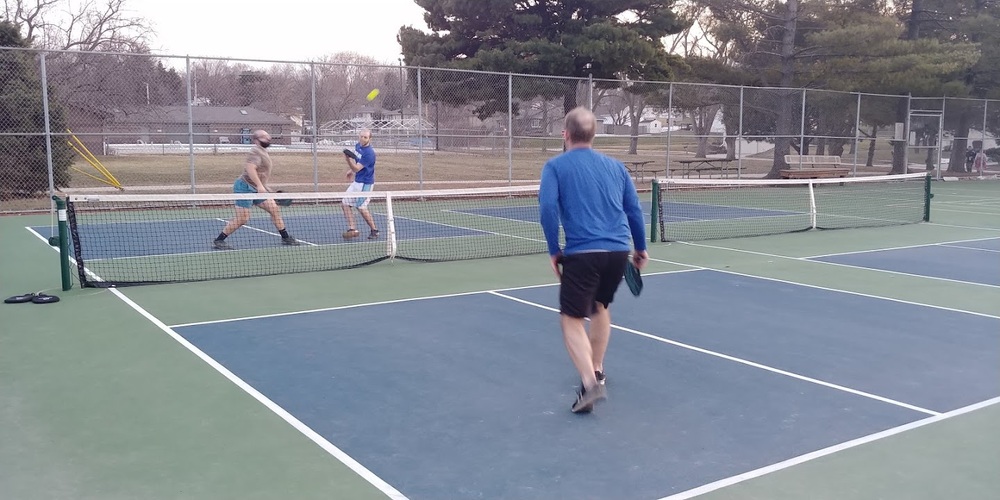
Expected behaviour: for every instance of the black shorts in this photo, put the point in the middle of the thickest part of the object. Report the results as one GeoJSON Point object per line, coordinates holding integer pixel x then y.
{"type": "Point", "coordinates": [588, 278]}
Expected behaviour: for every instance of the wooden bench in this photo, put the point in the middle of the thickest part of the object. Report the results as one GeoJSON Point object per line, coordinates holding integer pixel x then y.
{"type": "Point", "coordinates": [813, 167]}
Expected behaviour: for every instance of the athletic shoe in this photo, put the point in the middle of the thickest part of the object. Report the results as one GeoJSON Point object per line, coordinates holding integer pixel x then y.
{"type": "Point", "coordinates": [585, 399]}
{"type": "Point", "coordinates": [600, 377]}
{"type": "Point", "coordinates": [221, 245]}
{"type": "Point", "coordinates": [290, 241]}
{"type": "Point", "coordinates": [373, 235]}
{"type": "Point", "coordinates": [351, 233]}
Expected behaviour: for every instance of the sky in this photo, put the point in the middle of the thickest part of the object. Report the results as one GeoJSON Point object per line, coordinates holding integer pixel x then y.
{"type": "Point", "coordinates": [285, 30]}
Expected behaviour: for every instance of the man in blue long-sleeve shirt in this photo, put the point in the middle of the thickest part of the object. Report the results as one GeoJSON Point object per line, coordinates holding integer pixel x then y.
{"type": "Point", "coordinates": [594, 198]}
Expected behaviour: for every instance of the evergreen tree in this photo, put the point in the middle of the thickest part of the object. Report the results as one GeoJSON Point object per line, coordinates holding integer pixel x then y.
{"type": "Point", "coordinates": [23, 162]}
{"type": "Point", "coordinates": [609, 40]}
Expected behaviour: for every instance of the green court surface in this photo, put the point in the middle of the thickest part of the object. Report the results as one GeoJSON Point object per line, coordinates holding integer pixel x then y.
{"type": "Point", "coordinates": [99, 401]}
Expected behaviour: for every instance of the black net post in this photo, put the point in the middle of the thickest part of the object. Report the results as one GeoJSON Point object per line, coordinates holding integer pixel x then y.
{"type": "Point", "coordinates": [927, 198]}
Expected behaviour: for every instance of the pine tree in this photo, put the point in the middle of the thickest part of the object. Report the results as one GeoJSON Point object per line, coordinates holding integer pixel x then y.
{"type": "Point", "coordinates": [23, 162]}
{"type": "Point", "coordinates": [609, 40]}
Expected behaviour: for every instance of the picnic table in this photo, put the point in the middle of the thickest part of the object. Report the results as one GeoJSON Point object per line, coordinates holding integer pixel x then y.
{"type": "Point", "coordinates": [638, 168]}
{"type": "Point", "coordinates": [700, 165]}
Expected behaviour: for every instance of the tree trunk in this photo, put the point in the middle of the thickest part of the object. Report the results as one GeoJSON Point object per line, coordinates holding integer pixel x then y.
{"type": "Point", "coordinates": [784, 130]}
{"type": "Point", "coordinates": [703, 119]}
{"type": "Point", "coordinates": [870, 162]}
{"type": "Point", "coordinates": [930, 140]}
{"type": "Point", "coordinates": [835, 147]}
{"type": "Point", "coordinates": [569, 99]}
{"type": "Point", "coordinates": [956, 162]}
{"type": "Point", "coordinates": [729, 111]}
{"type": "Point", "coordinates": [902, 109]}
{"type": "Point", "coordinates": [730, 147]}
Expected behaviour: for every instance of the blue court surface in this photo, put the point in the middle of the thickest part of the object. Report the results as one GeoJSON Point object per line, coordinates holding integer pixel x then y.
{"type": "Point", "coordinates": [682, 212]}
{"type": "Point", "coordinates": [467, 396]}
{"type": "Point", "coordinates": [167, 237]}
{"type": "Point", "coordinates": [972, 261]}
{"type": "Point", "coordinates": [529, 213]}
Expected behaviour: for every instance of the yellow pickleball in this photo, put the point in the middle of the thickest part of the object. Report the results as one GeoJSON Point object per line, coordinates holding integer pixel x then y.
{"type": "Point", "coordinates": [372, 95]}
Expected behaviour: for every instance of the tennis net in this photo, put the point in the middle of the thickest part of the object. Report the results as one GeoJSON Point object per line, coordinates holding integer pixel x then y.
{"type": "Point", "coordinates": [123, 240]}
{"type": "Point", "coordinates": [703, 209]}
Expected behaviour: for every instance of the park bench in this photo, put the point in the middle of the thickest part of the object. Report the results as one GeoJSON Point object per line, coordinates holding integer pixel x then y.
{"type": "Point", "coordinates": [813, 167]}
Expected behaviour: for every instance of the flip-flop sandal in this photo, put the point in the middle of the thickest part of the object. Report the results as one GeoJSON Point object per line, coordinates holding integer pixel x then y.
{"type": "Point", "coordinates": [41, 298]}
{"type": "Point", "coordinates": [18, 299]}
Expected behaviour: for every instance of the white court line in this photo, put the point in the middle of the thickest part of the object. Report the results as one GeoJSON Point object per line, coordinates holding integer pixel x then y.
{"type": "Point", "coordinates": [957, 226]}
{"type": "Point", "coordinates": [483, 231]}
{"type": "Point", "coordinates": [248, 226]}
{"type": "Point", "coordinates": [742, 361]}
{"type": "Point", "coordinates": [972, 248]}
{"type": "Point", "coordinates": [739, 478]}
{"type": "Point", "coordinates": [72, 259]}
{"type": "Point", "coordinates": [327, 446]}
{"type": "Point", "coordinates": [938, 209]}
{"type": "Point", "coordinates": [904, 247]}
{"type": "Point", "coordinates": [837, 264]}
{"type": "Point", "coordinates": [838, 290]}
{"type": "Point", "coordinates": [394, 301]}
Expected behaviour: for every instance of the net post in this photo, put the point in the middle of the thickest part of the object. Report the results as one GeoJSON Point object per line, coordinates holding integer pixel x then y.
{"type": "Point", "coordinates": [63, 242]}
{"type": "Point", "coordinates": [812, 205]}
{"type": "Point", "coordinates": [653, 211]}
{"type": "Point", "coordinates": [927, 198]}
{"type": "Point", "coordinates": [390, 222]}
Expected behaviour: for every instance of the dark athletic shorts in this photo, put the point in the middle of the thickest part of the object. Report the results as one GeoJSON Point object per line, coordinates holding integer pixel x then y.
{"type": "Point", "coordinates": [588, 278]}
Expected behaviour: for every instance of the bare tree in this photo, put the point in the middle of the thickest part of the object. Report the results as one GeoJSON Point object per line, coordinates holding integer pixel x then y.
{"type": "Point", "coordinates": [343, 80]}
{"type": "Point", "coordinates": [87, 25]}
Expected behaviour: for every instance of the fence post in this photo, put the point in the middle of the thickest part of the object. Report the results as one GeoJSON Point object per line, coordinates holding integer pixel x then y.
{"type": "Point", "coordinates": [739, 139]}
{"type": "Point", "coordinates": [315, 126]}
{"type": "Point", "coordinates": [420, 127]}
{"type": "Point", "coordinates": [510, 129]}
{"type": "Point", "coordinates": [802, 129]}
{"type": "Point", "coordinates": [940, 137]}
{"type": "Point", "coordinates": [590, 90]}
{"type": "Point", "coordinates": [986, 108]}
{"type": "Point", "coordinates": [906, 133]}
{"type": "Point", "coordinates": [48, 130]}
{"type": "Point", "coordinates": [670, 126]}
{"type": "Point", "coordinates": [190, 105]}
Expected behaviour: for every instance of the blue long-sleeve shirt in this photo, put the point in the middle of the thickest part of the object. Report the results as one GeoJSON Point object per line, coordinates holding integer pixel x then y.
{"type": "Point", "coordinates": [594, 198]}
{"type": "Point", "coordinates": [367, 161]}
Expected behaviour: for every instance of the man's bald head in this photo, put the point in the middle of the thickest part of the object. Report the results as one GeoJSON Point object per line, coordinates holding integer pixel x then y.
{"type": "Point", "coordinates": [262, 138]}
{"type": "Point", "coordinates": [580, 126]}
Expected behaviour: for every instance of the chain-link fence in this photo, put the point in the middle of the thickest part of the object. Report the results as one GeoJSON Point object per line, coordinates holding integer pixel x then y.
{"type": "Point", "coordinates": [76, 122]}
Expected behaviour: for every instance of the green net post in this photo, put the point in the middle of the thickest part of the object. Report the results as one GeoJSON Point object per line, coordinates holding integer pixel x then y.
{"type": "Point", "coordinates": [654, 212]}
{"type": "Point", "coordinates": [927, 198]}
{"type": "Point", "coordinates": [63, 243]}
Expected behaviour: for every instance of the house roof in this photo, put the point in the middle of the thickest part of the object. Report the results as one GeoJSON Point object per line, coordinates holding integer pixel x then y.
{"type": "Point", "coordinates": [234, 115]}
